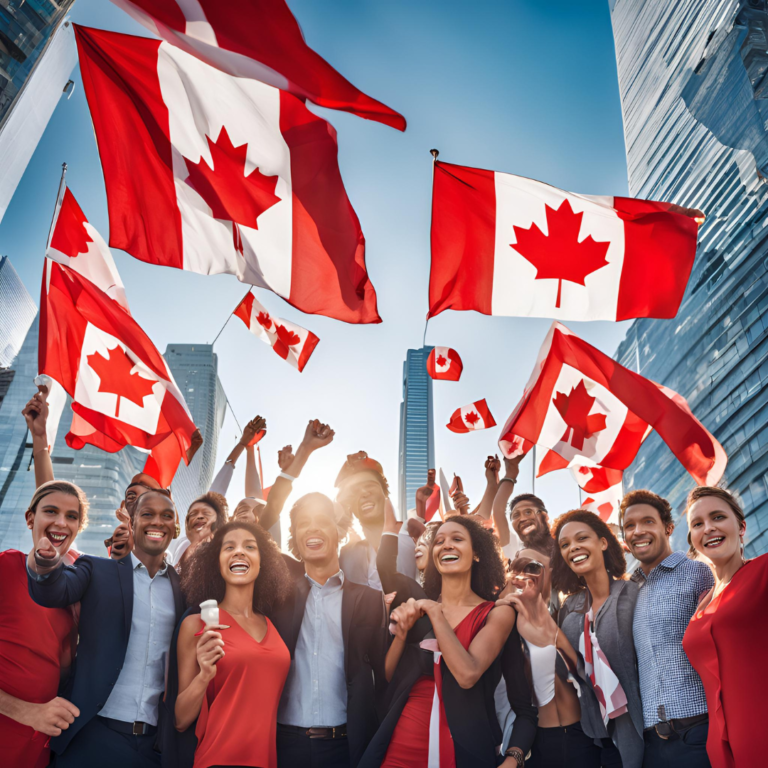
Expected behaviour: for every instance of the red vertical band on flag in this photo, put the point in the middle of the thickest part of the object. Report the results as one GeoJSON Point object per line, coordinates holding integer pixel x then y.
{"type": "Point", "coordinates": [463, 239]}
{"type": "Point", "coordinates": [243, 310]}
{"type": "Point", "coordinates": [659, 250]}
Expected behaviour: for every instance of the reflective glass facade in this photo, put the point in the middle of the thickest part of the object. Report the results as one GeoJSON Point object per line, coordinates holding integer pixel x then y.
{"type": "Point", "coordinates": [17, 311]}
{"type": "Point", "coordinates": [26, 26]}
{"type": "Point", "coordinates": [103, 476]}
{"type": "Point", "coordinates": [195, 368]}
{"type": "Point", "coordinates": [417, 429]}
{"type": "Point", "coordinates": [694, 92]}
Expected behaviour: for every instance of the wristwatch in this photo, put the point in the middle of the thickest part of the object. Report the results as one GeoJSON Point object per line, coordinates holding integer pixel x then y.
{"type": "Point", "coordinates": [517, 753]}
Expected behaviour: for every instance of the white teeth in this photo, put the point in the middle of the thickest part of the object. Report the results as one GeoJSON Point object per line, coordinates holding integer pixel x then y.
{"type": "Point", "coordinates": [642, 545]}
{"type": "Point", "coordinates": [367, 506]}
{"type": "Point", "coordinates": [714, 541]}
{"type": "Point", "coordinates": [155, 535]}
{"type": "Point", "coordinates": [314, 542]}
{"type": "Point", "coordinates": [579, 558]}
{"type": "Point", "coordinates": [57, 536]}
{"type": "Point", "coordinates": [449, 558]}
{"type": "Point", "coordinates": [239, 568]}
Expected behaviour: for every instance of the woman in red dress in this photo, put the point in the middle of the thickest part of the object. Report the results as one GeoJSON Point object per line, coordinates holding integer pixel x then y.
{"type": "Point", "coordinates": [36, 643]}
{"type": "Point", "coordinates": [726, 637]}
{"type": "Point", "coordinates": [441, 705]}
{"type": "Point", "coordinates": [231, 674]}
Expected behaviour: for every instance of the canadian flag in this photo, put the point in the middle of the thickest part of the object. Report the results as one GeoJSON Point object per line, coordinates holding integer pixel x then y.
{"type": "Point", "coordinates": [122, 390]}
{"type": "Point", "coordinates": [219, 174]}
{"type": "Point", "coordinates": [471, 417]}
{"type": "Point", "coordinates": [444, 363]}
{"type": "Point", "coordinates": [291, 342]}
{"type": "Point", "coordinates": [604, 489]}
{"type": "Point", "coordinates": [259, 39]}
{"type": "Point", "coordinates": [506, 245]}
{"type": "Point", "coordinates": [586, 410]}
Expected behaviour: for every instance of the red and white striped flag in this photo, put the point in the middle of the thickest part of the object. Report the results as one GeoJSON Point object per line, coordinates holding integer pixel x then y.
{"type": "Point", "coordinates": [259, 39]}
{"type": "Point", "coordinates": [445, 364]}
{"type": "Point", "coordinates": [506, 245]}
{"type": "Point", "coordinates": [291, 342]}
{"type": "Point", "coordinates": [468, 418]}
{"type": "Point", "coordinates": [217, 174]}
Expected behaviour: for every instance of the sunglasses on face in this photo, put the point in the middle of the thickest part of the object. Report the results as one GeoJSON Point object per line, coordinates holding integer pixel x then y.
{"type": "Point", "coordinates": [531, 568]}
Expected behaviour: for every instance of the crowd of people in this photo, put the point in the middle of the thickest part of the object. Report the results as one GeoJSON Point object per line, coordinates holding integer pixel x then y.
{"type": "Point", "coordinates": [493, 637]}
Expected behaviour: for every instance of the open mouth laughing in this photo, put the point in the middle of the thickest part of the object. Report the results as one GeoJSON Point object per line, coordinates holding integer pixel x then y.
{"type": "Point", "coordinates": [714, 542]}
{"type": "Point", "coordinates": [314, 543]}
{"type": "Point", "coordinates": [642, 545]}
{"type": "Point", "coordinates": [157, 536]}
{"type": "Point", "coordinates": [56, 537]}
{"type": "Point", "coordinates": [449, 557]}
{"type": "Point", "coordinates": [239, 567]}
{"type": "Point", "coordinates": [579, 559]}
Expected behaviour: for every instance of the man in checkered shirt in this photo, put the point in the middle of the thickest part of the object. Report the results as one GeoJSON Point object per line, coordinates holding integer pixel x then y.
{"type": "Point", "coordinates": [674, 705]}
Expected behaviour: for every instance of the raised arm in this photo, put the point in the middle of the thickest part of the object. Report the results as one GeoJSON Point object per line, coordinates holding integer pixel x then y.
{"type": "Point", "coordinates": [492, 467]}
{"type": "Point", "coordinates": [253, 489]}
{"type": "Point", "coordinates": [53, 584]}
{"type": "Point", "coordinates": [386, 557]}
{"type": "Point", "coordinates": [221, 482]}
{"type": "Point", "coordinates": [35, 413]}
{"type": "Point", "coordinates": [504, 493]}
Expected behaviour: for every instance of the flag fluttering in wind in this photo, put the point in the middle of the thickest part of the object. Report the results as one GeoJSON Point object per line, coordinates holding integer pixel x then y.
{"type": "Point", "coordinates": [603, 488]}
{"type": "Point", "coordinates": [258, 39]}
{"type": "Point", "coordinates": [444, 364]}
{"type": "Point", "coordinates": [586, 410]}
{"type": "Point", "coordinates": [506, 245]}
{"type": "Point", "coordinates": [122, 390]}
{"type": "Point", "coordinates": [217, 174]}
{"type": "Point", "coordinates": [290, 341]}
{"type": "Point", "coordinates": [471, 417]}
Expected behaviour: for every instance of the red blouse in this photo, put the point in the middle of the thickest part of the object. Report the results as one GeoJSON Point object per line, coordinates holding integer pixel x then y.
{"type": "Point", "coordinates": [725, 642]}
{"type": "Point", "coordinates": [35, 643]}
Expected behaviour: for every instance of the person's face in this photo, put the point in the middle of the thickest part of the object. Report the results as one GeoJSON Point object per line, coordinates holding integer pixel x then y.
{"type": "Point", "coordinates": [246, 511]}
{"type": "Point", "coordinates": [56, 518]}
{"type": "Point", "coordinates": [201, 519]}
{"type": "Point", "coordinates": [422, 551]}
{"type": "Point", "coordinates": [154, 523]}
{"type": "Point", "coordinates": [239, 558]}
{"type": "Point", "coordinates": [527, 519]}
{"type": "Point", "coordinates": [364, 497]}
{"type": "Point", "coordinates": [315, 533]}
{"type": "Point", "coordinates": [644, 533]}
{"type": "Point", "coordinates": [140, 484]}
{"type": "Point", "coordinates": [452, 549]}
{"type": "Point", "coordinates": [525, 571]}
{"type": "Point", "coordinates": [581, 548]}
{"type": "Point", "coordinates": [716, 532]}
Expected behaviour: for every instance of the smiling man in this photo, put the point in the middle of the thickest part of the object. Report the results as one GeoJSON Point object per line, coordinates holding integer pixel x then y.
{"type": "Point", "coordinates": [121, 654]}
{"type": "Point", "coordinates": [674, 705]}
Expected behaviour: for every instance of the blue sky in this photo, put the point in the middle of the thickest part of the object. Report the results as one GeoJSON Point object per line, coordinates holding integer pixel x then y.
{"type": "Point", "coordinates": [513, 85]}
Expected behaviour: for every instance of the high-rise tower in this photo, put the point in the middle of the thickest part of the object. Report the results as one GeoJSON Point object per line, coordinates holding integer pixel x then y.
{"type": "Point", "coordinates": [17, 311]}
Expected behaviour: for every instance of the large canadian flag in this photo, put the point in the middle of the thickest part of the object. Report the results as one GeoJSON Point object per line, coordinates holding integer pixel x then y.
{"type": "Point", "coordinates": [259, 39]}
{"type": "Point", "coordinates": [122, 390]}
{"type": "Point", "coordinates": [219, 174]}
{"type": "Point", "coordinates": [290, 341]}
{"type": "Point", "coordinates": [506, 245]}
{"type": "Point", "coordinates": [588, 411]}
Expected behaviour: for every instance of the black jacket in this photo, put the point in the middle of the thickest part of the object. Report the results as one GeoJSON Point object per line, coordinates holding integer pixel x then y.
{"type": "Point", "coordinates": [363, 627]}
{"type": "Point", "coordinates": [104, 589]}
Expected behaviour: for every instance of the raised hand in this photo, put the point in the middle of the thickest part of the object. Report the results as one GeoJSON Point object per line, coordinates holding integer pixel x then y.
{"type": "Point", "coordinates": [45, 555]}
{"type": "Point", "coordinates": [50, 718]}
{"type": "Point", "coordinates": [285, 457]}
{"type": "Point", "coordinates": [197, 441]}
{"type": "Point", "coordinates": [35, 413]}
{"type": "Point", "coordinates": [492, 469]}
{"type": "Point", "coordinates": [424, 493]}
{"type": "Point", "coordinates": [122, 538]}
{"type": "Point", "coordinates": [252, 428]}
{"type": "Point", "coordinates": [210, 648]}
{"type": "Point", "coordinates": [317, 435]}
{"type": "Point", "coordinates": [460, 502]}
{"type": "Point", "coordinates": [512, 466]}
{"type": "Point", "coordinates": [534, 622]}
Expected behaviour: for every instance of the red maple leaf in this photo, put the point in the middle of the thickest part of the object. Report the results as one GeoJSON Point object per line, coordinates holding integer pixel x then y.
{"type": "Point", "coordinates": [115, 377]}
{"type": "Point", "coordinates": [231, 194]}
{"type": "Point", "coordinates": [559, 255]}
{"type": "Point", "coordinates": [285, 340]}
{"type": "Point", "coordinates": [472, 418]}
{"type": "Point", "coordinates": [575, 408]}
{"type": "Point", "coordinates": [264, 320]}
{"type": "Point", "coordinates": [441, 361]}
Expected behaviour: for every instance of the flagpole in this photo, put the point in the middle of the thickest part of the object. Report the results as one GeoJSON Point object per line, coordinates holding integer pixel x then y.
{"type": "Point", "coordinates": [56, 206]}
{"type": "Point", "coordinates": [434, 153]}
{"type": "Point", "coordinates": [229, 317]}
{"type": "Point", "coordinates": [533, 472]}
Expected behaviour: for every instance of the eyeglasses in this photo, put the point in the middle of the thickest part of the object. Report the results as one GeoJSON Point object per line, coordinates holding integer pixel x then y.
{"type": "Point", "coordinates": [531, 568]}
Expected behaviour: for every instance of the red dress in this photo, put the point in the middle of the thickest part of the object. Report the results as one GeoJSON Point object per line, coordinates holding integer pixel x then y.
{"type": "Point", "coordinates": [421, 736]}
{"type": "Point", "coordinates": [35, 643]}
{"type": "Point", "coordinates": [238, 719]}
{"type": "Point", "coordinates": [725, 643]}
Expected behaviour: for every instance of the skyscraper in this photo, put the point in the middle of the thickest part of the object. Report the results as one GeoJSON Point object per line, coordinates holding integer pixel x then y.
{"type": "Point", "coordinates": [693, 95]}
{"type": "Point", "coordinates": [103, 476]}
{"type": "Point", "coordinates": [17, 311]}
{"type": "Point", "coordinates": [417, 429]}
{"type": "Point", "coordinates": [195, 368]}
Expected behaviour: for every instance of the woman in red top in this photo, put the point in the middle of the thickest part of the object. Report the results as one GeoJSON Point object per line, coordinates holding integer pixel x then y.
{"type": "Point", "coordinates": [36, 643]}
{"type": "Point", "coordinates": [231, 674]}
{"type": "Point", "coordinates": [726, 637]}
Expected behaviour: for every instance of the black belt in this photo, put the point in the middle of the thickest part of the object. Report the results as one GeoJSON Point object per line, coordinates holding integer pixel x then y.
{"type": "Point", "coordinates": [132, 729]}
{"type": "Point", "coordinates": [337, 732]}
{"type": "Point", "coordinates": [665, 728]}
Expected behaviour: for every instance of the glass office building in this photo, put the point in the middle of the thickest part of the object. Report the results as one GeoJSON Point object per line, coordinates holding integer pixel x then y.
{"type": "Point", "coordinates": [17, 311]}
{"type": "Point", "coordinates": [195, 369]}
{"type": "Point", "coordinates": [694, 94]}
{"type": "Point", "coordinates": [417, 429]}
{"type": "Point", "coordinates": [103, 476]}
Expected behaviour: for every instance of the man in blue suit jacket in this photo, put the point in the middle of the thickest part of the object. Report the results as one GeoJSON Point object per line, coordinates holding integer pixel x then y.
{"type": "Point", "coordinates": [128, 610]}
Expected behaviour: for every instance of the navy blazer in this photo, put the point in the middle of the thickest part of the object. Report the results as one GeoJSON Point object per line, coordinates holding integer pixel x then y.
{"type": "Point", "coordinates": [104, 589]}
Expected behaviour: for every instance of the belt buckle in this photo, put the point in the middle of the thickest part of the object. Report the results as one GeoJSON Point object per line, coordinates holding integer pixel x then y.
{"type": "Point", "coordinates": [313, 733]}
{"type": "Point", "coordinates": [138, 728]}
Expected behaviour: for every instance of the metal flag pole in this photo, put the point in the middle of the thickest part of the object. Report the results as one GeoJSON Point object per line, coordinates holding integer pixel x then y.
{"type": "Point", "coordinates": [62, 186]}
{"type": "Point", "coordinates": [229, 317]}
{"type": "Point", "coordinates": [434, 153]}
{"type": "Point", "coordinates": [533, 472]}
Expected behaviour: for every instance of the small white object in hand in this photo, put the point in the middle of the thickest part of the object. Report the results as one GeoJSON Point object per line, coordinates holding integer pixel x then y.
{"type": "Point", "coordinates": [209, 612]}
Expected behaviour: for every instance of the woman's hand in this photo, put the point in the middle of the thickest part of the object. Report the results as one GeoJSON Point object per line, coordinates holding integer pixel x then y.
{"type": "Point", "coordinates": [402, 619]}
{"type": "Point", "coordinates": [534, 622]}
{"type": "Point", "coordinates": [210, 648]}
{"type": "Point", "coordinates": [285, 457]}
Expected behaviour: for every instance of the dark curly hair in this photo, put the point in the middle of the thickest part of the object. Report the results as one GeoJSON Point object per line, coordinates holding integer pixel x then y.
{"type": "Point", "coordinates": [217, 503]}
{"type": "Point", "coordinates": [487, 575]}
{"type": "Point", "coordinates": [642, 496]}
{"type": "Point", "coordinates": [201, 577]}
{"type": "Point", "coordinates": [563, 578]}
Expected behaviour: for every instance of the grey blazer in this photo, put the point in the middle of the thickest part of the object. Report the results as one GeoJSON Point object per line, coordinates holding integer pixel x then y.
{"type": "Point", "coordinates": [613, 625]}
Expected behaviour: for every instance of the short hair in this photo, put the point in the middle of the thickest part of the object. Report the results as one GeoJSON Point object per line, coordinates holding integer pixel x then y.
{"type": "Point", "coordinates": [155, 491]}
{"type": "Point", "coordinates": [217, 503]}
{"type": "Point", "coordinates": [702, 491]}
{"type": "Point", "coordinates": [642, 496]}
{"type": "Point", "coordinates": [335, 512]}
{"type": "Point", "coordinates": [488, 573]}
{"type": "Point", "coordinates": [62, 486]}
{"type": "Point", "coordinates": [563, 578]}
{"type": "Point", "coordinates": [201, 577]}
{"type": "Point", "coordinates": [537, 502]}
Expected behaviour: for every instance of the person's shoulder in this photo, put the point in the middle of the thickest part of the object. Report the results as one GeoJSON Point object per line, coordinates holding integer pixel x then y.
{"type": "Point", "coordinates": [696, 568]}
{"type": "Point", "coordinates": [11, 557]}
{"type": "Point", "coordinates": [190, 625]}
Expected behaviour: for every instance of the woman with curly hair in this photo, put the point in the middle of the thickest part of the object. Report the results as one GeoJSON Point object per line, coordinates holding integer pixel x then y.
{"type": "Point", "coordinates": [595, 634]}
{"type": "Point", "coordinates": [242, 569]}
{"type": "Point", "coordinates": [441, 707]}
